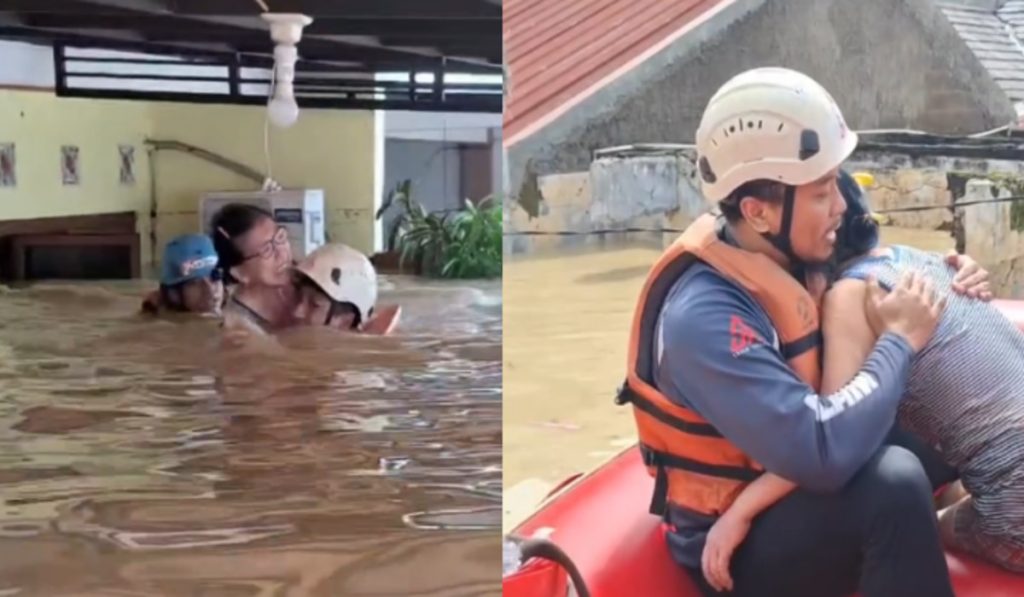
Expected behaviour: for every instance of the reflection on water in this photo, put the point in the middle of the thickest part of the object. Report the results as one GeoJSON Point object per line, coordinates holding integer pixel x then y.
{"type": "Point", "coordinates": [564, 353]}
{"type": "Point", "coordinates": [140, 458]}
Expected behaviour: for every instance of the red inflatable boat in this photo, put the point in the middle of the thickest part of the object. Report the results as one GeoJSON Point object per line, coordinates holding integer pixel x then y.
{"type": "Point", "coordinates": [599, 522]}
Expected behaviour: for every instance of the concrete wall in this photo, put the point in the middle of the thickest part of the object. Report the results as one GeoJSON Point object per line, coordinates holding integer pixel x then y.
{"type": "Point", "coordinates": [453, 127]}
{"type": "Point", "coordinates": [889, 64]}
{"type": "Point", "coordinates": [618, 200]}
{"type": "Point", "coordinates": [905, 181]}
{"type": "Point", "coordinates": [432, 166]}
{"type": "Point", "coordinates": [478, 132]}
{"type": "Point", "coordinates": [995, 234]}
{"type": "Point", "coordinates": [443, 174]}
{"type": "Point", "coordinates": [641, 195]}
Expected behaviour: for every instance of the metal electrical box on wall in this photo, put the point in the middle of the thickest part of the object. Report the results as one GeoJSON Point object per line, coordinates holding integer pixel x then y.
{"type": "Point", "coordinates": [299, 211]}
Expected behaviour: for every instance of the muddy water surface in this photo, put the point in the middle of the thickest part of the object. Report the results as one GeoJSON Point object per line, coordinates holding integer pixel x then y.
{"type": "Point", "coordinates": [141, 458]}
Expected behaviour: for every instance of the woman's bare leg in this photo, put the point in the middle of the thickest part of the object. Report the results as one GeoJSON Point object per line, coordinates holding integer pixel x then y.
{"type": "Point", "coordinates": [951, 496]}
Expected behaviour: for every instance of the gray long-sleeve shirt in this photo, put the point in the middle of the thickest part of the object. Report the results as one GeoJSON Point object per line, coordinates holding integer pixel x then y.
{"type": "Point", "coordinates": [718, 354]}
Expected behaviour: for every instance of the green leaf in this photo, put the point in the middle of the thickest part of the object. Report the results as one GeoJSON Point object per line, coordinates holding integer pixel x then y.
{"type": "Point", "coordinates": [462, 244]}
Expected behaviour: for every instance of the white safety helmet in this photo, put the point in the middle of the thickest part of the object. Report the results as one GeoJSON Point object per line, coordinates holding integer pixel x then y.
{"type": "Point", "coordinates": [772, 124]}
{"type": "Point", "coordinates": [343, 274]}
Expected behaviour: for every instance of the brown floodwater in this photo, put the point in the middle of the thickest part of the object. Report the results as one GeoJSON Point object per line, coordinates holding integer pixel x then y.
{"type": "Point", "coordinates": [568, 314]}
{"type": "Point", "coordinates": [142, 457]}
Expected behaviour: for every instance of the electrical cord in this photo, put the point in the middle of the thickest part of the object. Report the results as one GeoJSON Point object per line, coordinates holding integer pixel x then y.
{"type": "Point", "coordinates": [266, 132]}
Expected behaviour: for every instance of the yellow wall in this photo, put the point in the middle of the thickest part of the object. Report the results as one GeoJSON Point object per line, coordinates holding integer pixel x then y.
{"type": "Point", "coordinates": [328, 149]}
{"type": "Point", "coordinates": [39, 123]}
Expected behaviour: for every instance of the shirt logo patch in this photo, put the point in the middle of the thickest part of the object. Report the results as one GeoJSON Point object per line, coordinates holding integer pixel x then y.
{"type": "Point", "coordinates": [741, 336]}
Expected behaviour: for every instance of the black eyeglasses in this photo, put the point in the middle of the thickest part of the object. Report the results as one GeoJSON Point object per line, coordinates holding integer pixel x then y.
{"type": "Point", "coordinates": [270, 248]}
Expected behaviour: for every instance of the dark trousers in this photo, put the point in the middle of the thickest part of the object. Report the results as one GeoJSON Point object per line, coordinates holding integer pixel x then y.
{"type": "Point", "coordinates": [877, 535]}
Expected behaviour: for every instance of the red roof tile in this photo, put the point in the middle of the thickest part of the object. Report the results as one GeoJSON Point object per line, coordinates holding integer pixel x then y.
{"type": "Point", "coordinates": [560, 51]}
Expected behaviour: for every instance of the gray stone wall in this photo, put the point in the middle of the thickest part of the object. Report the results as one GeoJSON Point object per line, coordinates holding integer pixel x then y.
{"type": "Point", "coordinates": [648, 192]}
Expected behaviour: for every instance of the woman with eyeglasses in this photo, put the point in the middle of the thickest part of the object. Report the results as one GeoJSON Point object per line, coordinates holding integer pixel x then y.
{"type": "Point", "coordinates": [256, 258]}
{"type": "Point", "coordinates": [190, 281]}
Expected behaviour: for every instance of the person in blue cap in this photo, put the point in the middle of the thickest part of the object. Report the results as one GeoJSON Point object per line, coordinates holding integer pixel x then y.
{"type": "Point", "coordinates": [190, 279]}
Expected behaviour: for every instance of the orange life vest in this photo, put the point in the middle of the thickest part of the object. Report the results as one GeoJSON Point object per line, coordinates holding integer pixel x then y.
{"type": "Point", "coordinates": [695, 466]}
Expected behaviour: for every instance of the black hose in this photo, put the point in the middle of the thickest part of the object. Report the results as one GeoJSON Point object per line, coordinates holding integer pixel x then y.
{"type": "Point", "coordinates": [546, 550]}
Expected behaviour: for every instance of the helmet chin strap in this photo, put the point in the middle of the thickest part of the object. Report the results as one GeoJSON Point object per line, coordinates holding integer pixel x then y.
{"type": "Point", "coordinates": [781, 241]}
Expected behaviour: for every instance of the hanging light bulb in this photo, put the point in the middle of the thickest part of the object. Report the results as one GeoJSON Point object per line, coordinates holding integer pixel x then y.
{"type": "Point", "coordinates": [286, 31]}
{"type": "Point", "coordinates": [283, 112]}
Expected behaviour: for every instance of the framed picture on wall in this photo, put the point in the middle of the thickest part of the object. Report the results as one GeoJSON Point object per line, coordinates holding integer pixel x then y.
{"type": "Point", "coordinates": [69, 165]}
{"type": "Point", "coordinates": [127, 153]}
{"type": "Point", "coordinates": [7, 166]}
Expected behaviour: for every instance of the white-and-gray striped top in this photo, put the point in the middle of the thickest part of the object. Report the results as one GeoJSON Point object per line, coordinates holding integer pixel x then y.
{"type": "Point", "coordinates": [965, 394]}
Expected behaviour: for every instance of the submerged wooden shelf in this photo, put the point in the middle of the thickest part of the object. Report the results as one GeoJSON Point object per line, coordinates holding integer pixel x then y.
{"type": "Point", "coordinates": [90, 246]}
{"type": "Point", "coordinates": [35, 256]}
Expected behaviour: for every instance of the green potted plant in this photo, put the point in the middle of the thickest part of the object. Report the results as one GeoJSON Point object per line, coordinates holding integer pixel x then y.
{"type": "Point", "coordinates": [455, 244]}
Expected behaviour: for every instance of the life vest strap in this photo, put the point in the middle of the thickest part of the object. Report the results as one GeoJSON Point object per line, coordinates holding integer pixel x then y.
{"type": "Point", "coordinates": [659, 499]}
{"type": "Point", "coordinates": [791, 350]}
{"type": "Point", "coordinates": [656, 458]}
{"type": "Point", "coordinates": [628, 394]}
{"type": "Point", "coordinates": [662, 461]}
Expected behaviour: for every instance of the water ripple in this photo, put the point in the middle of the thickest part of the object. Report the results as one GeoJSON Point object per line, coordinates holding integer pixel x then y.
{"type": "Point", "coordinates": [138, 459]}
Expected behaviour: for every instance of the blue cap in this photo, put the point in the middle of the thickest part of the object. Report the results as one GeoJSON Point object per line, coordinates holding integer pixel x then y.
{"type": "Point", "coordinates": [188, 257]}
